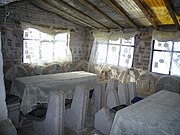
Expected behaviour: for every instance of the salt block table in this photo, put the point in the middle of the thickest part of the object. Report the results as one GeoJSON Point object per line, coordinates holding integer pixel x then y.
{"type": "Point", "coordinates": [35, 89]}
{"type": "Point", "coordinates": [158, 114]}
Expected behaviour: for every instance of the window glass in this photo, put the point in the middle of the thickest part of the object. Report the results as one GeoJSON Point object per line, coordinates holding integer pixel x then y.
{"type": "Point", "coordinates": [46, 51]}
{"type": "Point", "coordinates": [62, 37]}
{"type": "Point", "coordinates": [175, 69]}
{"type": "Point", "coordinates": [101, 53]}
{"type": "Point", "coordinates": [166, 58]}
{"type": "Point", "coordinates": [31, 33]}
{"type": "Point", "coordinates": [31, 51]}
{"type": "Point", "coordinates": [46, 37]}
{"type": "Point", "coordinates": [176, 46]}
{"type": "Point", "coordinates": [114, 41]}
{"type": "Point", "coordinates": [113, 54]}
{"type": "Point", "coordinates": [60, 51]}
{"type": "Point", "coordinates": [128, 42]}
{"type": "Point", "coordinates": [163, 45]}
{"type": "Point", "coordinates": [161, 62]}
{"type": "Point", "coordinates": [126, 56]}
{"type": "Point", "coordinates": [39, 47]}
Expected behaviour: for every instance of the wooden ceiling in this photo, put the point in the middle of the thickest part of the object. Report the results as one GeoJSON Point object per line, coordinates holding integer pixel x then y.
{"type": "Point", "coordinates": [115, 14]}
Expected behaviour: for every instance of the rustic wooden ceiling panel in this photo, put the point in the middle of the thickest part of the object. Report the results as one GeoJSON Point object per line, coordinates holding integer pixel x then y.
{"type": "Point", "coordinates": [134, 12]}
{"type": "Point", "coordinates": [108, 11]}
{"type": "Point", "coordinates": [113, 14]}
{"type": "Point", "coordinates": [91, 13]}
{"type": "Point", "coordinates": [158, 9]}
{"type": "Point", "coordinates": [45, 6]}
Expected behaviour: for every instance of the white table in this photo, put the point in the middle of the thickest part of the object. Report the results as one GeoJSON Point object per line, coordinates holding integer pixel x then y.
{"type": "Point", "coordinates": [158, 114]}
{"type": "Point", "coordinates": [35, 89]}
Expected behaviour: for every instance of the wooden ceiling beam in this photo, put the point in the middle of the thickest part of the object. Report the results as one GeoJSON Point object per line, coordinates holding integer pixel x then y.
{"type": "Point", "coordinates": [146, 13]}
{"type": "Point", "coordinates": [119, 12]}
{"type": "Point", "coordinates": [93, 7]}
{"type": "Point", "coordinates": [168, 5]}
{"type": "Point", "coordinates": [60, 3]}
{"type": "Point", "coordinates": [45, 6]}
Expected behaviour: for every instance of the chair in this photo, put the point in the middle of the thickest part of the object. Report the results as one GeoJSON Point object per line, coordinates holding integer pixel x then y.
{"type": "Point", "coordinates": [13, 105]}
{"type": "Point", "coordinates": [103, 121]}
{"type": "Point", "coordinates": [123, 94]}
{"type": "Point", "coordinates": [54, 120]}
{"type": "Point", "coordinates": [52, 69]}
{"type": "Point", "coordinates": [99, 95]}
{"type": "Point", "coordinates": [112, 99]}
{"type": "Point", "coordinates": [75, 116]}
{"type": "Point", "coordinates": [169, 83]}
{"type": "Point", "coordinates": [126, 92]}
{"type": "Point", "coordinates": [111, 85]}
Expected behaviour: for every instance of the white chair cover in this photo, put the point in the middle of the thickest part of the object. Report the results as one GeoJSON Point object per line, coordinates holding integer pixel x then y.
{"type": "Point", "coordinates": [54, 121]}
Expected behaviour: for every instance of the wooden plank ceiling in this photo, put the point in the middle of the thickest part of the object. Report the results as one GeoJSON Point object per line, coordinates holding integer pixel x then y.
{"type": "Point", "coordinates": [114, 14]}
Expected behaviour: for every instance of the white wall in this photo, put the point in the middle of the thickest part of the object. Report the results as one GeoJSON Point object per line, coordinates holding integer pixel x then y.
{"type": "Point", "coordinates": [3, 108]}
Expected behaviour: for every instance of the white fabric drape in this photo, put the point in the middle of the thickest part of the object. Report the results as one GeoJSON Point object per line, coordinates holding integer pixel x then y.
{"type": "Point", "coordinates": [163, 36]}
{"type": "Point", "coordinates": [64, 53]}
{"type": "Point", "coordinates": [44, 29]}
{"type": "Point", "coordinates": [104, 37]}
{"type": "Point", "coordinates": [113, 35]}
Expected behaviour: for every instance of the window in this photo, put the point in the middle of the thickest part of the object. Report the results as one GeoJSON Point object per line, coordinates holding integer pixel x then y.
{"type": "Point", "coordinates": [166, 58]}
{"type": "Point", "coordinates": [119, 53]}
{"type": "Point", "coordinates": [39, 47]}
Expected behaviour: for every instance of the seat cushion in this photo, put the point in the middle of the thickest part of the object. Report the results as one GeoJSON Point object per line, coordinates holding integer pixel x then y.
{"type": "Point", "coordinates": [117, 108]}
{"type": "Point", "coordinates": [136, 99]}
{"type": "Point", "coordinates": [39, 113]}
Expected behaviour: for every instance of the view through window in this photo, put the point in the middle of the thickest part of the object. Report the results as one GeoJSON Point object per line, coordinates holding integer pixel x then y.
{"type": "Point", "coordinates": [166, 58]}
{"type": "Point", "coordinates": [39, 47]}
{"type": "Point", "coordinates": [119, 53]}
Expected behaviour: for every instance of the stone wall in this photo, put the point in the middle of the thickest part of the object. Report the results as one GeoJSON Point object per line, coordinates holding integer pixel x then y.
{"type": "Point", "coordinates": [12, 33]}
{"type": "Point", "coordinates": [142, 50]}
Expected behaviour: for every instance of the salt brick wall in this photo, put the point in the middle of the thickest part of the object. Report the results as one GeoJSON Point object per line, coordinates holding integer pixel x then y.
{"type": "Point", "coordinates": [25, 11]}
{"type": "Point", "coordinates": [142, 50]}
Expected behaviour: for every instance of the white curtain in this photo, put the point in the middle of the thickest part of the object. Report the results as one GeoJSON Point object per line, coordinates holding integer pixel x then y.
{"type": "Point", "coordinates": [163, 36]}
{"type": "Point", "coordinates": [113, 35]}
{"type": "Point", "coordinates": [44, 29]}
{"type": "Point", "coordinates": [64, 54]}
{"type": "Point", "coordinates": [105, 37]}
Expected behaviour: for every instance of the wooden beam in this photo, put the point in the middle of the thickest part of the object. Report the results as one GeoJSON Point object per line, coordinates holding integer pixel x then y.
{"type": "Point", "coordinates": [47, 7]}
{"type": "Point", "coordinates": [61, 4]}
{"type": "Point", "coordinates": [146, 13]}
{"type": "Point", "coordinates": [119, 12]}
{"type": "Point", "coordinates": [94, 8]}
{"type": "Point", "coordinates": [168, 5]}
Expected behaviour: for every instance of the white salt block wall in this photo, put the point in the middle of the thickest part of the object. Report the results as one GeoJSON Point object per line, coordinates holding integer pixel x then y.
{"type": "Point", "coordinates": [3, 110]}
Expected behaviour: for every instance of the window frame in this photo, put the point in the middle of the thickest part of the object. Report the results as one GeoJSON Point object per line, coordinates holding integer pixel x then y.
{"type": "Point", "coordinates": [171, 57]}
{"type": "Point", "coordinates": [120, 44]}
{"type": "Point", "coordinates": [41, 41]}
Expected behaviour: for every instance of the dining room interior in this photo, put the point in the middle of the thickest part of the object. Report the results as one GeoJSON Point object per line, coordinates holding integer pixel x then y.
{"type": "Point", "coordinates": [89, 67]}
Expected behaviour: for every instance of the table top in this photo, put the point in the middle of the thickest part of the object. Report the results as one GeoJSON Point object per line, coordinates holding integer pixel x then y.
{"type": "Point", "coordinates": [157, 114]}
{"type": "Point", "coordinates": [55, 77]}
{"type": "Point", "coordinates": [35, 89]}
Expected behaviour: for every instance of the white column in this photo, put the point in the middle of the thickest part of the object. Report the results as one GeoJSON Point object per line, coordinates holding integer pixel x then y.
{"type": "Point", "coordinates": [3, 108]}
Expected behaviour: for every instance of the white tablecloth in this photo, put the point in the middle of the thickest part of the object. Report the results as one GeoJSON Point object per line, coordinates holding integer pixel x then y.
{"type": "Point", "coordinates": [35, 89]}
{"type": "Point", "coordinates": [158, 114]}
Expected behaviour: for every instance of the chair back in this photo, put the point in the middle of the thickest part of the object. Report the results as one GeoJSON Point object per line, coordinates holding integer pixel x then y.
{"type": "Point", "coordinates": [79, 105]}
{"type": "Point", "coordinates": [55, 113]}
